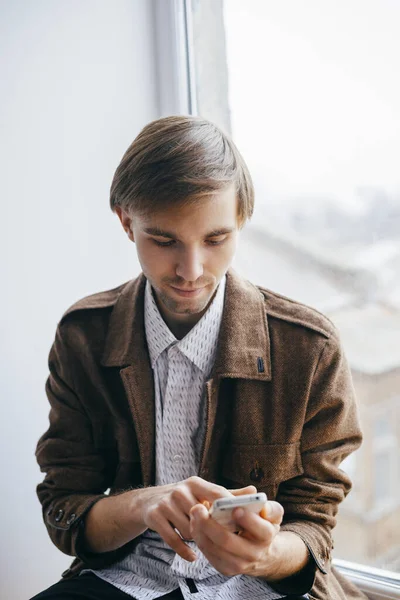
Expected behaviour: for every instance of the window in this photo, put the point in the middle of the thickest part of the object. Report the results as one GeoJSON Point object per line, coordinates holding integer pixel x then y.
{"type": "Point", "coordinates": [386, 460]}
{"type": "Point", "coordinates": [383, 480]}
{"type": "Point", "coordinates": [310, 93]}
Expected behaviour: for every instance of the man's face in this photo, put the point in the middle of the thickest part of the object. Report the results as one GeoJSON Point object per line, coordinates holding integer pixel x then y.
{"type": "Point", "coordinates": [184, 252]}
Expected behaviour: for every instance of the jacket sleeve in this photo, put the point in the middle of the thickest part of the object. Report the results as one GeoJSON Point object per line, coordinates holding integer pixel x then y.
{"type": "Point", "coordinates": [330, 433]}
{"type": "Point", "coordinates": [77, 474]}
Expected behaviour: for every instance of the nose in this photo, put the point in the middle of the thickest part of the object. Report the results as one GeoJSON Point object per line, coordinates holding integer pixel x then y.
{"type": "Point", "coordinates": [190, 265]}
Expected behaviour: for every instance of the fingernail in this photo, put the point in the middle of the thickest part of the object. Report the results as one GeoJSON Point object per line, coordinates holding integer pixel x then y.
{"type": "Point", "coordinates": [199, 512]}
{"type": "Point", "coordinates": [239, 513]}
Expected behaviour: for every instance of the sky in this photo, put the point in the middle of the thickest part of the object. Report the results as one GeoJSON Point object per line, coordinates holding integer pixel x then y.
{"type": "Point", "coordinates": [315, 95]}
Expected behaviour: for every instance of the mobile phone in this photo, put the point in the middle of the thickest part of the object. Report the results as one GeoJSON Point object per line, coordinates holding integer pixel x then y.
{"type": "Point", "coordinates": [221, 509]}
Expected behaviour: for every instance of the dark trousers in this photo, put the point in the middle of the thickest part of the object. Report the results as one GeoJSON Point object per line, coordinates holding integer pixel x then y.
{"type": "Point", "coordinates": [90, 587]}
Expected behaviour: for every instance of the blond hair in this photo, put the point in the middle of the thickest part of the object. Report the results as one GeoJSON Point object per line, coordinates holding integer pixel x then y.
{"type": "Point", "coordinates": [180, 159]}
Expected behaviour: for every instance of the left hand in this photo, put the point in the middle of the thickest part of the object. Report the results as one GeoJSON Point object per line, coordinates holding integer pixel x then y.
{"type": "Point", "coordinates": [254, 552]}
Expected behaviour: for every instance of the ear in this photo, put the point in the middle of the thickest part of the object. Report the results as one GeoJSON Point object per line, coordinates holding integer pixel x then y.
{"type": "Point", "coordinates": [126, 222]}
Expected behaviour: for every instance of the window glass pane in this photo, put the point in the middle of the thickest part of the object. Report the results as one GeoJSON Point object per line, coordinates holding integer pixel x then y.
{"type": "Point", "coordinates": [383, 478]}
{"type": "Point", "coordinates": [382, 429]}
{"type": "Point", "coordinates": [312, 99]}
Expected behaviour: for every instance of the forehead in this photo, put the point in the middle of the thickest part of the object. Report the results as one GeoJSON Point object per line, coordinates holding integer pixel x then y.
{"type": "Point", "coordinates": [199, 217]}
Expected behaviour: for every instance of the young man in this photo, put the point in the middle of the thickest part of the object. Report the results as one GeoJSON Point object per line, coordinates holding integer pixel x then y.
{"type": "Point", "coordinates": [190, 384]}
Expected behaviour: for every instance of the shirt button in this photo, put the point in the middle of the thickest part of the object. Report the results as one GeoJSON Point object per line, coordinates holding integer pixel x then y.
{"type": "Point", "coordinates": [177, 458]}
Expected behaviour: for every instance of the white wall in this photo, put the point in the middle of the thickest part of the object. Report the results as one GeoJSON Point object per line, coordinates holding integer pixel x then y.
{"type": "Point", "coordinates": [77, 83]}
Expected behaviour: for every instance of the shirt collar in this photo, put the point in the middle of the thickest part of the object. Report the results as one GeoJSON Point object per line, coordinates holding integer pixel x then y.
{"type": "Point", "coordinates": [159, 336]}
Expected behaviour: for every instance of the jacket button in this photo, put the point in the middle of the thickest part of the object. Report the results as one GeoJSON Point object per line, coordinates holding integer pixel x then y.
{"type": "Point", "coordinates": [71, 519]}
{"type": "Point", "coordinates": [256, 474]}
{"type": "Point", "coordinates": [59, 516]}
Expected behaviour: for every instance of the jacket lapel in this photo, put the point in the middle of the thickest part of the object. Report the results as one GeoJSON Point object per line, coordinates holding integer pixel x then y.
{"type": "Point", "coordinates": [126, 347]}
{"type": "Point", "coordinates": [243, 353]}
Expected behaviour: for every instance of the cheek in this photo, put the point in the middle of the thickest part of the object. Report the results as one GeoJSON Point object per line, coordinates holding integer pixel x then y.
{"type": "Point", "coordinates": [216, 263]}
{"type": "Point", "coordinates": [226, 253]}
{"type": "Point", "coordinates": [151, 258]}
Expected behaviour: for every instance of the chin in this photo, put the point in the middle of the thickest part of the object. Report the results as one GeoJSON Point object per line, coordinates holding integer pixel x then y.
{"type": "Point", "coordinates": [185, 307]}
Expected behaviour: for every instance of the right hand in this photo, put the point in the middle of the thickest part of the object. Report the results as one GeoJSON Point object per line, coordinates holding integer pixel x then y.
{"type": "Point", "coordinates": [166, 508]}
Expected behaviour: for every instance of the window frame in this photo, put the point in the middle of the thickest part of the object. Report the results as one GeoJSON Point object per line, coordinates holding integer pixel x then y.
{"type": "Point", "coordinates": [376, 583]}
{"type": "Point", "coordinates": [174, 57]}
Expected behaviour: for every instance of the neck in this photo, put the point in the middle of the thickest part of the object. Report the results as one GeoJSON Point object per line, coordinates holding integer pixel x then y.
{"type": "Point", "coordinates": [180, 327]}
{"type": "Point", "coordinates": [180, 324]}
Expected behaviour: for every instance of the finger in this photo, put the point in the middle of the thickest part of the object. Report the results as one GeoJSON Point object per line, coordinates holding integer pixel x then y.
{"type": "Point", "coordinates": [206, 531]}
{"type": "Point", "coordinates": [255, 527]}
{"type": "Point", "coordinates": [181, 501]}
{"type": "Point", "coordinates": [178, 519]}
{"type": "Point", "coordinates": [169, 535]}
{"type": "Point", "coordinates": [183, 497]}
{"type": "Point", "coordinates": [223, 560]}
{"type": "Point", "coordinates": [249, 489]}
{"type": "Point", "coordinates": [273, 512]}
{"type": "Point", "coordinates": [204, 490]}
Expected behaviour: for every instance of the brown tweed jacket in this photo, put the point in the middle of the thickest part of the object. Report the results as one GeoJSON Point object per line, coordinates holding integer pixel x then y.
{"type": "Point", "coordinates": [281, 414]}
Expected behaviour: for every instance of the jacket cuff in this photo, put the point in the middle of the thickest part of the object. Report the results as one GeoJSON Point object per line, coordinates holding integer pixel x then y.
{"type": "Point", "coordinates": [64, 517]}
{"type": "Point", "coordinates": [317, 539]}
{"type": "Point", "coordinates": [65, 521]}
{"type": "Point", "coordinates": [298, 584]}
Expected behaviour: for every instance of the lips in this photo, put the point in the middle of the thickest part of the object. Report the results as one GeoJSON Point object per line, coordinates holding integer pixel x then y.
{"type": "Point", "coordinates": [188, 293]}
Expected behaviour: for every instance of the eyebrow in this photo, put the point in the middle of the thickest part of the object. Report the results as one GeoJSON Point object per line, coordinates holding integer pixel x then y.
{"type": "Point", "coordinates": [167, 234]}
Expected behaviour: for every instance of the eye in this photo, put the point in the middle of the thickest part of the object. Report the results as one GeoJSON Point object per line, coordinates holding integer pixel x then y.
{"type": "Point", "coordinates": [163, 244]}
{"type": "Point", "coordinates": [216, 241]}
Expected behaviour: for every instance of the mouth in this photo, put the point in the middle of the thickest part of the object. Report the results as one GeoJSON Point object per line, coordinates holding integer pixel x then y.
{"type": "Point", "coordinates": [187, 293]}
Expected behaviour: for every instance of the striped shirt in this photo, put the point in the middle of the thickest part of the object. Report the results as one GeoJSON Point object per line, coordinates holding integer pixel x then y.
{"type": "Point", "coordinates": [181, 369]}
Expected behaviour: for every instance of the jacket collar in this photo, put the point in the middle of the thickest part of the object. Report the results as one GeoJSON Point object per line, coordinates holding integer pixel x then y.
{"type": "Point", "coordinates": [244, 345]}
{"type": "Point", "coordinates": [126, 338]}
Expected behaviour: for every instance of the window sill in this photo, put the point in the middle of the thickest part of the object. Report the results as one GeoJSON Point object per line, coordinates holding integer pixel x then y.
{"type": "Point", "coordinates": [376, 583]}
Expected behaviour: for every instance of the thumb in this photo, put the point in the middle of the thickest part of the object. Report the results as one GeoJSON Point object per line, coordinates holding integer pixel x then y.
{"type": "Point", "coordinates": [272, 512]}
{"type": "Point", "coordinates": [250, 489]}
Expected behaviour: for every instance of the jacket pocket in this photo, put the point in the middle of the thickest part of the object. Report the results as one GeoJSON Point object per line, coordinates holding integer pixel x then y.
{"type": "Point", "coordinates": [262, 465]}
